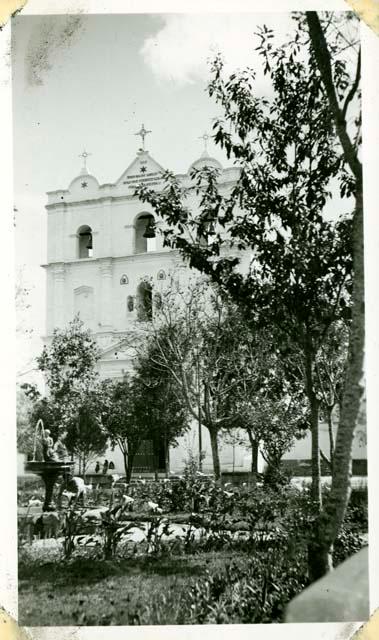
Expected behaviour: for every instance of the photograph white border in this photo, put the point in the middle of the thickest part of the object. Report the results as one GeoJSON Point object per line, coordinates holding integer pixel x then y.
{"type": "Point", "coordinates": [370, 155]}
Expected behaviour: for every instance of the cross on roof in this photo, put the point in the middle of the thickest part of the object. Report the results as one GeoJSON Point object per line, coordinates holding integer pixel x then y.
{"type": "Point", "coordinates": [205, 137]}
{"type": "Point", "coordinates": [84, 155]}
{"type": "Point", "coordinates": [143, 133]}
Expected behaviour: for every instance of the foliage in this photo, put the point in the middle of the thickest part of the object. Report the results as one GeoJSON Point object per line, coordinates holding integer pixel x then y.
{"type": "Point", "coordinates": [157, 528]}
{"type": "Point", "coordinates": [25, 430]}
{"type": "Point", "coordinates": [347, 543]}
{"type": "Point", "coordinates": [159, 408]}
{"type": "Point", "coordinates": [120, 419]}
{"type": "Point", "coordinates": [72, 526]}
{"type": "Point", "coordinates": [85, 436]}
{"type": "Point", "coordinates": [68, 364]}
{"type": "Point", "coordinates": [330, 369]}
{"type": "Point", "coordinates": [300, 279]}
{"type": "Point", "coordinates": [221, 370]}
{"type": "Point", "coordinates": [113, 529]}
{"type": "Point", "coordinates": [31, 407]}
{"type": "Point", "coordinates": [242, 558]}
{"type": "Point", "coordinates": [246, 591]}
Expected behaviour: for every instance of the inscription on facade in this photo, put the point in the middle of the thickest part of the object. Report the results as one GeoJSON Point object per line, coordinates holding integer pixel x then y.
{"type": "Point", "coordinates": [149, 178]}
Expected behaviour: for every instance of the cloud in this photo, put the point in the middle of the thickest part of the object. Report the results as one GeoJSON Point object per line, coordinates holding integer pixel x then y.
{"type": "Point", "coordinates": [182, 48]}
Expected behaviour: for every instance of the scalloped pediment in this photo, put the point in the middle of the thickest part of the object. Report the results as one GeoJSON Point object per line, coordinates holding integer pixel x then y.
{"type": "Point", "coordinates": [84, 185]}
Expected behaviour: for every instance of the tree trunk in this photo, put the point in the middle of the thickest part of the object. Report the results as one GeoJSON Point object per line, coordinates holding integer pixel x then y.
{"type": "Point", "coordinates": [315, 450]}
{"type": "Point", "coordinates": [215, 454]}
{"type": "Point", "coordinates": [331, 518]}
{"type": "Point", "coordinates": [254, 444]}
{"type": "Point", "coordinates": [127, 466]}
{"type": "Point", "coordinates": [167, 458]}
{"type": "Point", "coordinates": [320, 557]}
{"type": "Point", "coordinates": [331, 439]}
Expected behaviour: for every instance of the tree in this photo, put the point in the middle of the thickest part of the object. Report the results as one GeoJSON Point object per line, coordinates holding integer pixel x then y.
{"type": "Point", "coordinates": [158, 405]}
{"type": "Point", "coordinates": [269, 400]}
{"type": "Point", "coordinates": [191, 340]}
{"type": "Point", "coordinates": [339, 100]}
{"type": "Point", "coordinates": [288, 154]}
{"type": "Point", "coordinates": [119, 419]}
{"type": "Point", "coordinates": [85, 437]}
{"type": "Point", "coordinates": [68, 364]}
{"type": "Point", "coordinates": [330, 370]}
{"type": "Point", "coordinates": [31, 407]}
{"type": "Point", "coordinates": [301, 274]}
{"type": "Point", "coordinates": [24, 428]}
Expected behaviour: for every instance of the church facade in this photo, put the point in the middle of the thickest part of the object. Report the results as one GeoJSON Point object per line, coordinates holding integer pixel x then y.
{"type": "Point", "coordinates": [104, 264]}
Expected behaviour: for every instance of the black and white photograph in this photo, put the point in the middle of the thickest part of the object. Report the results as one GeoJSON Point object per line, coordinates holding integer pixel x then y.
{"type": "Point", "coordinates": [191, 379]}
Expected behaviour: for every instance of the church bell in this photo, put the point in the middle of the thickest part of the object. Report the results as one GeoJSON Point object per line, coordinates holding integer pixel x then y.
{"type": "Point", "coordinates": [150, 229]}
{"type": "Point", "coordinates": [89, 243]}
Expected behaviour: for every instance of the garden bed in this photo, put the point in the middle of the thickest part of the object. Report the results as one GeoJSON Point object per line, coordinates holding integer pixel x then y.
{"type": "Point", "coordinates": [153, 591]}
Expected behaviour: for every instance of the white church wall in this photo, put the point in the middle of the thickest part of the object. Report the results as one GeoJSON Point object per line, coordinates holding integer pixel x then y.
{"type": "Point", "coordinates": [79, 275]}
{"type": "Point", "coordinates": [49, 301]}
{"type": "Point", "coordinates": [302, 448]}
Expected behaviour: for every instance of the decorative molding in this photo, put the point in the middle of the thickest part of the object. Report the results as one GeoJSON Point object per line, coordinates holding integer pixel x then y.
{"type": "Point", "coordinates": [83, 290]}
{"type": "Point", "coordinates": [133, 257]}
{"type": "Point", "coordinates": [59, 271]}
{"type": "Point", "coordinates": [161, 275]}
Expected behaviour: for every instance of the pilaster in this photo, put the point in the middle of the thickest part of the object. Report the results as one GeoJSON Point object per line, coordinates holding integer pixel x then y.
{"type": "Point", "coordinates": [106, 278]}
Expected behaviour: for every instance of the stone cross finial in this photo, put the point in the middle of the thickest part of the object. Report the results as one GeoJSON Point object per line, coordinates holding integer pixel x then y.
{"type": "Point", "coordinates": [143, 133]}
{"type": "Point", "coordinates": [205, 137]}
{"type": "Point", "coordinates": [85, 155]}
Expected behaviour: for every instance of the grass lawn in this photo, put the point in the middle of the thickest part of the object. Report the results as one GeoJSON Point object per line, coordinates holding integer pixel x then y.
{"type": "Point", "coordinates": [119, 592]}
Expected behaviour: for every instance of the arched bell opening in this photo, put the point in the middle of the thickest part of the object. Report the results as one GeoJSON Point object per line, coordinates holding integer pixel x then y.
{"type": "Point", "coordinates": [145, 233]}
{"type": "Point", "coordinates": [85, 242]}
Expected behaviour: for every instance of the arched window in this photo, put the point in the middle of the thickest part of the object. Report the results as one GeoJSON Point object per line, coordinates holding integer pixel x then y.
{"type": "Point", "coordinates": [85, 242]}
{"type": "Point", "coordinates": [145, 239]}
{"type": "Point", "coordinates": [144, 301]}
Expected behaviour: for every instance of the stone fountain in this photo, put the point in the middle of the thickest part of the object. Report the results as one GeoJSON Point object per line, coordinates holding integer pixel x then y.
{"type": "Point", "coordinates": [54, 463]}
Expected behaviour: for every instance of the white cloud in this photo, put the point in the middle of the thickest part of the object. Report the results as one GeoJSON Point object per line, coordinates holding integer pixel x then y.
{"type": "Point", "coordinates": [179, 52]}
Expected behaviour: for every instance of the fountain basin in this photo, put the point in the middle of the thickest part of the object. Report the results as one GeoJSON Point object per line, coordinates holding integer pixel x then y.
{"type": "Point", "coordinates": [50, 471]}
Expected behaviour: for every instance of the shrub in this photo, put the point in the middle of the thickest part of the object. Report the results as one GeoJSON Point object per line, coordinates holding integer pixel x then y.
{"type": "Point", "coordinates": [112, 529]}
{"type": "Point", "coordinates": [248, 590]}
{"type": "Point", "coordinates": [347, 543]}
{"type": "Point", "coordinates": [157, 529]}
{"type": "Point", "coordinates": [72, 526]}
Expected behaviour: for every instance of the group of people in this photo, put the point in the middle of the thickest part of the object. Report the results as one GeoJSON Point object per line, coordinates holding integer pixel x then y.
{"type": "Point", "coordinates": [107, 466]}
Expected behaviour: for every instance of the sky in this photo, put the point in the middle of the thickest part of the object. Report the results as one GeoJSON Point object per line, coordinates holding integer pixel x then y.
{"type": "Point", "coordinates": [89, 82]}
